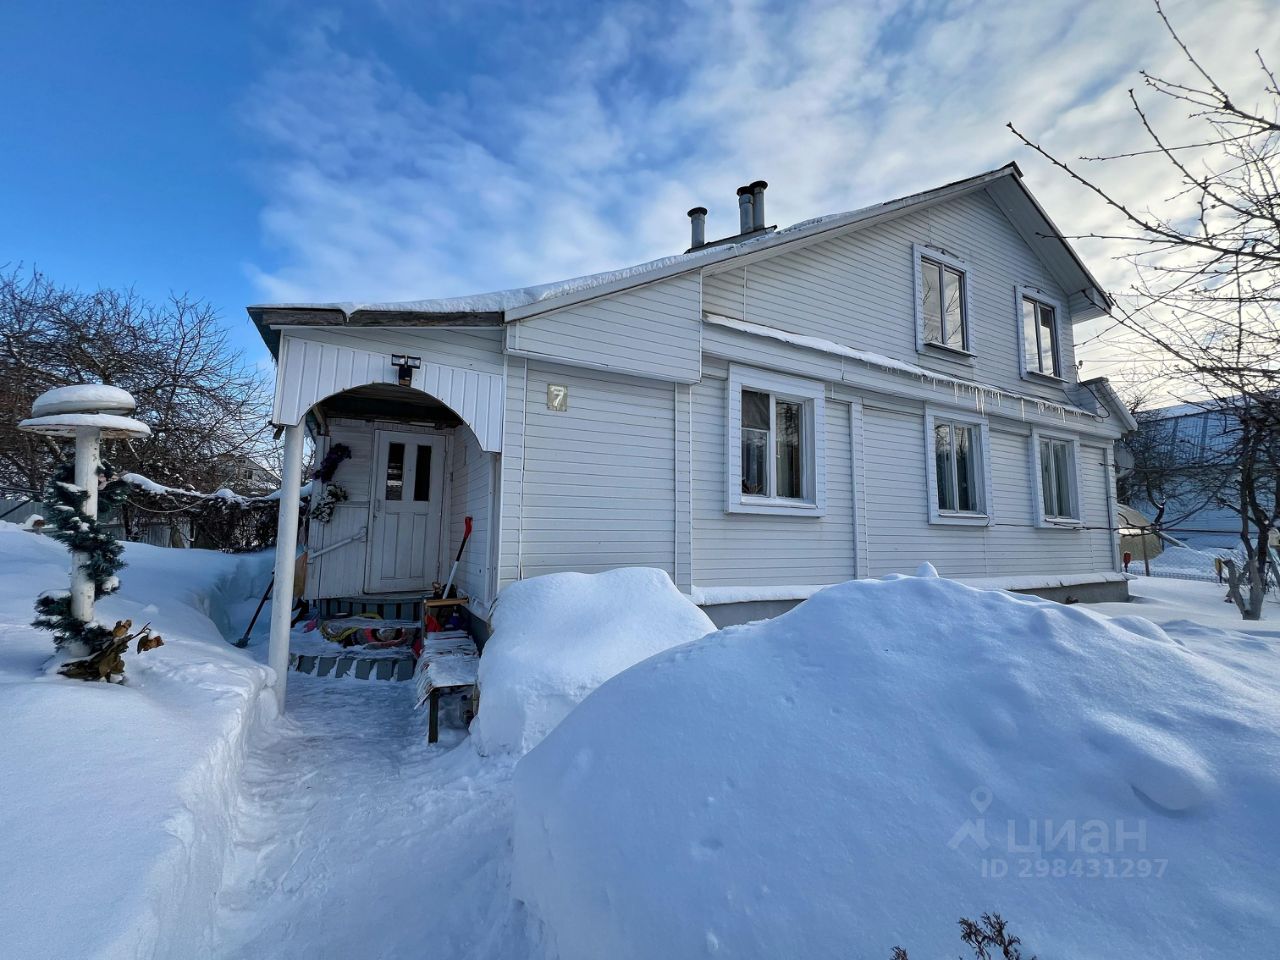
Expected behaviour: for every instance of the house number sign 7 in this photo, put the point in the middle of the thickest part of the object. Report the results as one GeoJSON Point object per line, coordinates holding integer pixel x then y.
{"type": "Point", "coordinates": [557, 397]}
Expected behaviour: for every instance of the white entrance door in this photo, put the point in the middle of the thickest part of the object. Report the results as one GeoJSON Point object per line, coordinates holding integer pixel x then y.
{"type": "Point", "coordinates": [405, 510]}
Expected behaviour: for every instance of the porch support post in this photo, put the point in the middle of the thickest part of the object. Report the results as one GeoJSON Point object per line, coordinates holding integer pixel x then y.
{"type": "Point", "coordinates": [286, 555]}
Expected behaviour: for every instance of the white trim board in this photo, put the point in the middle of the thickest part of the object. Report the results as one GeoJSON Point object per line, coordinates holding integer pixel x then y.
{"type": "Point", "coordinates": [881, 362]}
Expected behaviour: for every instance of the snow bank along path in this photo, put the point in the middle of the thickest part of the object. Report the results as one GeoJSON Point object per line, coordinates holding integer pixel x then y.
{"type": "Point", "coordinates": [355, 839]}
{"type": "Point", "coordinates": [558, 637]}
{"type": "Point", "coordinates": [115, 801]}
{"type": "Point", "coordinates": [892, 755]}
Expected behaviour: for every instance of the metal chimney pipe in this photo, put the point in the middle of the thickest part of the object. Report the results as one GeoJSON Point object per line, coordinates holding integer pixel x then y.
{"type": "Point", "coordinates": [745, 201]}
{"type": "Point", "coordinates": [698, 227]}
{"type": "Point", "coordinates": [757, 204]}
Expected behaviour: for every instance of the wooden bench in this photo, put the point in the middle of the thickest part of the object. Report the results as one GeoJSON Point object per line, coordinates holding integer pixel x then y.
{"type": "Point", "coordinates": [448, 663]}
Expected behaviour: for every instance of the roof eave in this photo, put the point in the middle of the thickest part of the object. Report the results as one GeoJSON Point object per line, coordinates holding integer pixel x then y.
{"type": "Point", "coordinates": [269, 320]}
{"type": "Point", "coordinates": [1101, 388]}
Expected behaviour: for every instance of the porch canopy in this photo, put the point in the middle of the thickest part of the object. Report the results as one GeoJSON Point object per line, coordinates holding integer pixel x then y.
{"type": "Point", "coordinates": [309, 371]}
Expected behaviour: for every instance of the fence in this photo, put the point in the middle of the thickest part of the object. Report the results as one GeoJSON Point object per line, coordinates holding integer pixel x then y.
{"type": "Point", "coordinates": [175, 519]}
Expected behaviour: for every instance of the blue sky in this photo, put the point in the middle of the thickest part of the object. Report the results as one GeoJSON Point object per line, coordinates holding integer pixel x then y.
{"type": "Point", "coordinates": [392, 150]}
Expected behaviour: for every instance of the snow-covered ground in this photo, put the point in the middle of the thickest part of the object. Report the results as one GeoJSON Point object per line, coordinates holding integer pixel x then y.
{"type": "Point", "coordinates": [116, 800]}
{"type": "Point", "coordinates": [355, 839]}
{"type": "Point", "coordinates": [895, 754]}
{"type": "Point", "coordinates": [177, 816]}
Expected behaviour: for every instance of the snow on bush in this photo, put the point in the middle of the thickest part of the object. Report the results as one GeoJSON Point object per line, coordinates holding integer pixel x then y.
{"type": "Point", "coordinates": [892, 755]}
{"type": "Point", "coordinates": [558, 637]}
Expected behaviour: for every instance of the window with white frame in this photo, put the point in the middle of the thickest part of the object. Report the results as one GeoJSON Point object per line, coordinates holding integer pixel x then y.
{"type": "Point", "coordinates": [942, 300]}
{"type": "Point", "coordinates": [1057, 479]}
{"type": "Point", "coordinates": [1040, 351]}
{"type": "Point", "coordinates": [958, 472]}
{"type": "Point", "coordinates": [775, 443]}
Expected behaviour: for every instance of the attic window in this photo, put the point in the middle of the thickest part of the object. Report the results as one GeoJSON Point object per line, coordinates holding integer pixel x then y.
{"type": "Point", "coordinates": [1038, 318]}
{"type": "Point", "coordinates": [942, 300]}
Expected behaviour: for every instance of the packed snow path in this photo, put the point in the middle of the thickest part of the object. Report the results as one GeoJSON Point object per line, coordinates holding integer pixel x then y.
{"type": "Point", "coordinates": [356, 839]}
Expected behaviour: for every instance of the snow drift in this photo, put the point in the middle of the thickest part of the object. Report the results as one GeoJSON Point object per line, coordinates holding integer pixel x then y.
{"type": "Point", "coordinates": [116, 799]}
{"type": "Point", "coordinates": [558, 637]}
{"type": "Point", "coordinates": [892, 755]}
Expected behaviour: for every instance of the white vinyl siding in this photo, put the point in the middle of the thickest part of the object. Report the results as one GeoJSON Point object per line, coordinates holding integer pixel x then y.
{"type": "Point", "coordinates": [748, 549]}
{"type": "Point", "coordinates": [725, 293]}
{"type": "Point", "coordinates": [470, 484]}
{"type": "Point", "coordinates": [340, 572]}
{"type": "Point", "coordinates": [471, 348]}
{"type": "Point", "coordinates": [653, 331]}
{"type": "Point", "coordinates": [859, 290]}
{"type": "Point", "coordinates": [598, 485]}
{"type": "Point", "coordinates": [511, 495]}
{"type": "Point", "coordinates": [900, 536]}
{"type": "Point", "coordinates": [312, 369]}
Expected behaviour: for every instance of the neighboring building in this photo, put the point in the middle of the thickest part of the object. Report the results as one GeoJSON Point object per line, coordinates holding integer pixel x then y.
{"type": "Point", "coordinates": [1182, 458]}
{"type": "Point", "coordinates": [758, 416]}
{"type": "Point", "coordinates": [244, 475]}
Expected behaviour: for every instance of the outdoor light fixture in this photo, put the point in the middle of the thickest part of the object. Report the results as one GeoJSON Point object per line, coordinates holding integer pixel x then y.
{"type": "Point", "coordinates": [404, 367]}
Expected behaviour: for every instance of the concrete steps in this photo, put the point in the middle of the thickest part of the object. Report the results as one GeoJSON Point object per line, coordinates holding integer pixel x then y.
{"type": "Point", "coordinates": [315, 655]}
{"type": "Point", "coordinates": [349, 663]}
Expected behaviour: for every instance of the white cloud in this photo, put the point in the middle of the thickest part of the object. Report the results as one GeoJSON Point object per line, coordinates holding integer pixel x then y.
{"type": "Point", "coordinates": [561, 160]}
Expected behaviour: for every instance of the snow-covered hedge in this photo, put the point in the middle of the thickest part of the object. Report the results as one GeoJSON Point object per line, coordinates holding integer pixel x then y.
{"type": "Point", "coordinates": [558, 637]}
{"type": "Point", "coordinates": [892, 755]}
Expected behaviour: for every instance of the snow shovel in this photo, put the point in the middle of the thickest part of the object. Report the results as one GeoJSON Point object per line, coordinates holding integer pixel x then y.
{"type": "Point", "coordinates": [244, 641]}
{"type": "Point", "coordinates": [432, 625]}
{"type": "Point", "coordinates": [359, 535]}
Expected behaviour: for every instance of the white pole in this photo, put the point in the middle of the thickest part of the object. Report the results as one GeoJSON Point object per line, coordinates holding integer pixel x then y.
{"type": "Point", "coordinates": [286, 556]}
{"type": "Point", "coordinates": [86, 478]}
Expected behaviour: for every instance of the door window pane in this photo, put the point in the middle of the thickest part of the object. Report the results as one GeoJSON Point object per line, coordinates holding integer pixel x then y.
{"type": "Point", "coordinates": [930, 277]}
{"type": "Point", "coordinates": [395, 471]}
{"type": "Point", "coordinates": [942, 463]}
{"type": "Point", "coordinates": [790, 478]}
{"type": "Point", "coordinates": [422, 473]}
{"type": "Point", "coordinates": [953, 308]}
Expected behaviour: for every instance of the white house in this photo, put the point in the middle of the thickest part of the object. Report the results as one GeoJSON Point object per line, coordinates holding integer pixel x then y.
{"type": "Point", "coordinates": [759, 415]}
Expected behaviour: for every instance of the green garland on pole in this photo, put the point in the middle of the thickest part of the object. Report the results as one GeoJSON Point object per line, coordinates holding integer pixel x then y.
{"type": "Point", "coordinates": [86, 535]}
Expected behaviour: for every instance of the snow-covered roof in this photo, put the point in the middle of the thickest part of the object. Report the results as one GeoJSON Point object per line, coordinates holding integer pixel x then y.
{"type": "Point", "coordinates": [520, 302]}
{"type": "Point", "coordinates": [505, 301]}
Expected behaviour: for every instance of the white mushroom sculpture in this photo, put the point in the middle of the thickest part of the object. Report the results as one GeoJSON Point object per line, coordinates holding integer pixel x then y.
{"type": "Point", "coordinates": [87, 413]}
